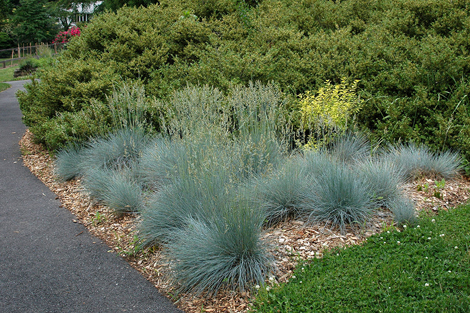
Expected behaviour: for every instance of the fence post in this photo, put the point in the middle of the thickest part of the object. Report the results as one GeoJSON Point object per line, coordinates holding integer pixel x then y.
{"type": "Point", "coordinates": [12, 56]}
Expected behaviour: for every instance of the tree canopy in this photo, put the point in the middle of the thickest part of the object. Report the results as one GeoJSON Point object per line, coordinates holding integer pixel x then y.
{"type": "Point", "coordinates": [32, 22]}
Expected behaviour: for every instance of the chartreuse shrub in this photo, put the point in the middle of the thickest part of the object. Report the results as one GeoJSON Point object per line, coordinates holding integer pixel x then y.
{"type": "Point", "coordinates": [410, 57]}
{"type": "Point", "coordinates": [327, 113]}
{"type": "Point", "coordinates": [422, 268]}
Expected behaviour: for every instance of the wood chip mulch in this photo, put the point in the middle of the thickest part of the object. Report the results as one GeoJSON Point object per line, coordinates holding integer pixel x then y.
{"type": "Point", "coordinates": [289, 242]}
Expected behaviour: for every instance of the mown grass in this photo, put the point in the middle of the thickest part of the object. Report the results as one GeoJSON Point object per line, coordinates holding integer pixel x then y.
{"type": "Point", "coordinates": [4, 86]}
{"type": "Point", "coordinates": [6, 75]}
{"type": "Point", "coordinates": [424, 268]}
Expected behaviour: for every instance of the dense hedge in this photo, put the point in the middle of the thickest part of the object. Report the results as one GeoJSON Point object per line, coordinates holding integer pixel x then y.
{"type": "Point", "coordinates": [411, 57]}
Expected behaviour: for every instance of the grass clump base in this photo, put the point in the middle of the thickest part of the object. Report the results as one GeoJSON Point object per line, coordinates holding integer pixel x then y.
{"type": "Point", "coordinates": [67, 165]}
{"type": "Point", "coordinates": [422, 268]}
{"type": "Point", "coordinates": [417, 161]}
{"type": "Point", "coordinates": [224, 252]}
{"type": "Point", "coordinates": [4, 86]}
{"type": "Point", "coordinates": [283, 194]}
{"type": "Point", "coordinates": [338, 196]}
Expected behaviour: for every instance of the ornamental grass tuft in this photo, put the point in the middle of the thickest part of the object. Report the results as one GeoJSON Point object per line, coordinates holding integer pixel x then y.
{"type": "Point", "coordinates": [416, 161]}
{"type": "Point", "coordinates": [384, 179]}
{"type": "Point", "coordinates": [403, 210]}
{"type": "Point", "coordinates": [68, 163]}
{"type": "Point", "coordinates": [157, 163]}
{"type": "Point", "coordinates": [224, 251]}
{"type": "Point", "coordinates": [169, 209]}
{"type": "Point", "coordinates": [349, 148]}
{"type": "Point", "coordinates": [96, 181]}
{"type": "Point", "coordinates": [339, 196]}
{"type": "Point", "coordinates": [282, 194]}
{"type": "Point", "coordinates": [123, 194]}
{"type": "Point", "coordinates": [119, 149]}
{"type": "Point", "coordinates": [316, 161]}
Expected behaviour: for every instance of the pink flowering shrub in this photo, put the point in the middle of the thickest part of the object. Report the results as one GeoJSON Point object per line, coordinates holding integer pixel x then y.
{"type": "Point", "coordinates": [64, 37]}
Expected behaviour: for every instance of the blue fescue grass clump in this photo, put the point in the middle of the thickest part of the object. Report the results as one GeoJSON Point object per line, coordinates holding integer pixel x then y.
{"type": "Point", "coordinates": [96, 182]}
{"type": "Point", "coordinates": [256, 153]}
{"type": "Point", "coordinates": [117, 150]}
{"type": "Point", "coordinates": [211, 232]}
{"type": "Point", "coordinates": [123, 194]}
{"type": "Point", "coordinates": [403, 210]}
{"type": "Point", "coordinates": [197, 176]}
{"type": "Point", "coordinates": [170, 208]}
{"type": "Point", "coordinates": [384, 179]}
{"type": "Point", "coordinates": [281, 195]}
{"type": "Point", "coordinates": [225, 251]}
{"type": "Point", "coordinates": [422, 268]}
{"type": "Point", "coordinates": [338, 195]}
{"type": "Point", "coordinates": [416, 161]}
{"type": "Point", "coordinates": [315, 162]}
{"type": "Point", "coordinates": [350, 147]}
{"type": "Point", "coordinates": [68, 163]}
{"type": "Point", "coordinates": [158, 163]}
{"type": "Point", "coordinates": [118, 190]}
{"type": "Point", "coordinates": [221, 172]}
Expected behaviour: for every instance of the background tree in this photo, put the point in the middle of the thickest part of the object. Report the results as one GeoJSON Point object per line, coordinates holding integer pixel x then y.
{"type": "Point", "coordinates": [114, 5]}
{"type": "Point", "coordinates": [33, 22]}
{"type": "Point", "coordinates": [64, 10]}
{"type": "Point", "coordinates": [6, 41]}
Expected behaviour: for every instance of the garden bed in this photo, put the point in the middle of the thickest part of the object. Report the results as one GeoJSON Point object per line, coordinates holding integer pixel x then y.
{"type": "Point", "coordinates": [290, 241]}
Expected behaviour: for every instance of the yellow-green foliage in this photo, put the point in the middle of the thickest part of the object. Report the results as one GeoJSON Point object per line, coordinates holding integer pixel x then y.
{"type": "Point", "coordinates": [327, 112]}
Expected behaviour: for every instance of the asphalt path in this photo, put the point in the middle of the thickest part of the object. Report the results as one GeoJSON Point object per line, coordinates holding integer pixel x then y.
{"type": "Point", "coordinates": [47, 262]}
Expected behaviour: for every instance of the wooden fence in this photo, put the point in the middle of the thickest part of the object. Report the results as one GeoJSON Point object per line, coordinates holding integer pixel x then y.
{"type": "Point", "coordinates": [27, 51]}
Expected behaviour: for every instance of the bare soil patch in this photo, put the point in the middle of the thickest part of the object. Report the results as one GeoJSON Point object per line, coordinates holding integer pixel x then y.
{"type": "Point", "coordinates": [290, 241]}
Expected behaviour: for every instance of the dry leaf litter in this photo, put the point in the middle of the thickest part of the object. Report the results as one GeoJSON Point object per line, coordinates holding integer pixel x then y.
{"type": "Point", "coordinates": [289, 242]}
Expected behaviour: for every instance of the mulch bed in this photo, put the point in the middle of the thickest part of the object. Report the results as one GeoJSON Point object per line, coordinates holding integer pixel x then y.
{"type": "Point", "coordinates": [288, 242]}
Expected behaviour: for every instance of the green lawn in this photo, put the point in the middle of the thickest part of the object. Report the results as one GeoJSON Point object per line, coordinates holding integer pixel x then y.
{"type": "Point", "coordinates": [423, 268]}
{"type": "Point", "coordinates": [6, 74]}
{"type": "Point", "coordinates": [4, 86]}
{"type": "Point", "coordinates": [16, 62]}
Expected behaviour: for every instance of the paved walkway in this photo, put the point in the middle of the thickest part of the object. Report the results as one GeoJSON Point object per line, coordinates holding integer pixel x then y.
{"type": "Point", "coordinates": [47, 262]}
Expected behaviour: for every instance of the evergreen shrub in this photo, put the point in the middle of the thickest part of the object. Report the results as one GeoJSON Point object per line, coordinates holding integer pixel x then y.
{"type": "Point", "coordinates": [410, 57]}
